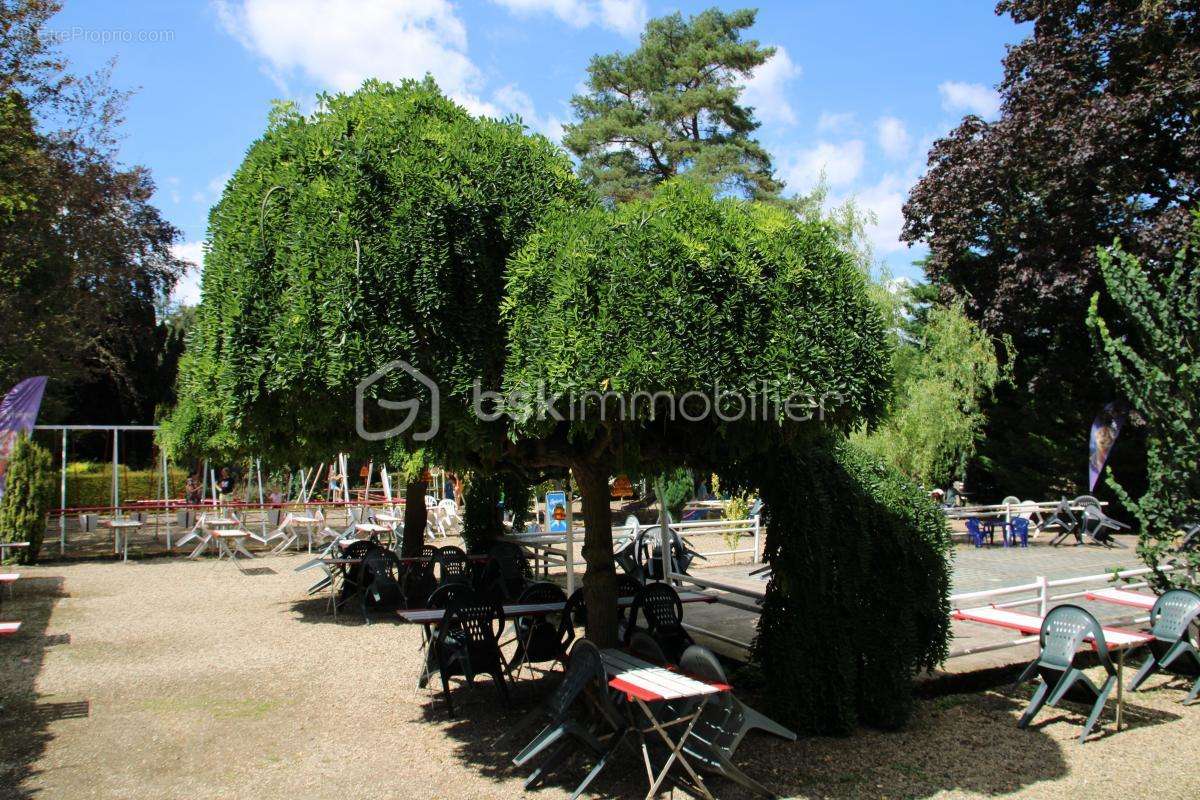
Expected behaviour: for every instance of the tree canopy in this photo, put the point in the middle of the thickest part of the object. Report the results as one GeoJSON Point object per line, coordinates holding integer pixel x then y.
{"type": "Point", "coordinates": [84, 255]}
{"type": "Point", "coordinates": [673, 106]}
{"type": "Point", "coordinates": [1097, 139]}
{"type": "Point", "coordinates": [377, 229]}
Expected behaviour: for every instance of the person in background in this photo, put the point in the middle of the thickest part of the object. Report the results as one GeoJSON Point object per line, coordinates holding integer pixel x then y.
{"type": "Point", "coordinates": [193, 490]}
{"type": "Point", "coordinates": [225, 485]}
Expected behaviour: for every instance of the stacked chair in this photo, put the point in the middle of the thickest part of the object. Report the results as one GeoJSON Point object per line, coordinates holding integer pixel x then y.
{"type": "Point", "coordinates": [659, 605]}
{"type": "Point", "coordinates": [1172, 651]}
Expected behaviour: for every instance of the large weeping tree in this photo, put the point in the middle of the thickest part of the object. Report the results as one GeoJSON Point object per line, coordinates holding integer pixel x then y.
{"type": "Point", "coordinates": [560, 334]}
{"type": "Point", "coordinates": [373, 231]}
{"type": "Point", "coordinates": [632, 320]}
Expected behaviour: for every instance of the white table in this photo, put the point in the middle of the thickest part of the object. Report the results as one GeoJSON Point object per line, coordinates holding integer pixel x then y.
{"type": "Point", "coordinates": [6, 546]}
{"type": "Point", "coordinates": [121, 529]}
{"type": "Point", "coordinates": [644, 683]}
{"type": "Point", "coordinates": [288, 530]}
{"type": "Point", "coordinates": [231, 544]}
{"type": "Point", "coordinates": [205, 530]}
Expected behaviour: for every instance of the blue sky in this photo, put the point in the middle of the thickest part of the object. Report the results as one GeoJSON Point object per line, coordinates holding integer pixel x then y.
{"type": "Point", "coordinates": [857, 90]}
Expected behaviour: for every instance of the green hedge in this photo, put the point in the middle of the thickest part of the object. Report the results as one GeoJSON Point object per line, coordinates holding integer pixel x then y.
{"type": "Point", "coordinates": [91, 485]}
{"type": "Point", "coordinates": [859, 597]}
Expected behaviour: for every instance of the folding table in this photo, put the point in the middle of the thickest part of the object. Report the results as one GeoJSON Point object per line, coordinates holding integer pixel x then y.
{"type": "Point", "coordinates": [287, 530]}
{"type": "Point", "coordinates": [643, 683]}
{"type": "Point", "coordinates": [121, 529]}
{"type": "Point", "coordinates": [1119, 639]}
{"type": "Point", "coordinates": [203, 530]}
{"type": "Point", "coordinates": [370, 529]}
{"type": "Point", "coordinates": [231, 544]}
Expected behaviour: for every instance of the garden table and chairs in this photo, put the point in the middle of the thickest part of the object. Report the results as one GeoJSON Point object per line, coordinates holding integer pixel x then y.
{"type": "Point", "coordinates": [231, 543]}
{"type": "Point", "coordinates": [293, 526]}
{"type": "Point", "coordinates": [1060, 634]}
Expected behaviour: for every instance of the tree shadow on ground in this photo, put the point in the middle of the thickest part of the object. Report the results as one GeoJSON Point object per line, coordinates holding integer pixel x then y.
{"type": "Point", "coordinates": [965, 743]}
{"type": "Point", "coordinates": [24, 720]}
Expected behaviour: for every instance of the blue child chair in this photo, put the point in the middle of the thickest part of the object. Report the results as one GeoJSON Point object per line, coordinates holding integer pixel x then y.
{"type": "Point", "coordinates": [1018, 528]}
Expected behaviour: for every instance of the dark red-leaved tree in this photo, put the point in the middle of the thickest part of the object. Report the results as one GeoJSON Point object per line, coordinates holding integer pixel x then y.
{"type": "Point", "coordinates": [1097, 139]}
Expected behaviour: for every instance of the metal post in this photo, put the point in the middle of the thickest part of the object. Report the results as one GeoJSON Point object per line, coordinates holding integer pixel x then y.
{"type": "Point", "coordinates": [570, 538]}
{"type": "Point", "coordinates": [204, 483]}
{"type": "Point", "coordinates": [261, 502]}
{"type": "Point", "coordinates": [116, 488]}
{"type": "Point", "coordinates": [664, 530]}
{"type": "Point", "coordinates": [757, 539]}
{"type": "Point", "coordinates": [1043, 595]}
{"type": "Point", "coordinates": [62, 507]}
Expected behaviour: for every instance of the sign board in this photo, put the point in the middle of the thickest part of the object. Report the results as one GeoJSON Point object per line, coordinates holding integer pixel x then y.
{"type": "Point", "coordinates": [18, 412]}
{"type": "Point", "coordinates": [556, 512]}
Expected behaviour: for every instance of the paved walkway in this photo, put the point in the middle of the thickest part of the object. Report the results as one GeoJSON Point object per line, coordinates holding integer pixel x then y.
{"type": "Point", "coordinates": [975, 569]}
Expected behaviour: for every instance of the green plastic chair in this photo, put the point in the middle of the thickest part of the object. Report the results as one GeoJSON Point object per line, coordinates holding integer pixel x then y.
{"type": "Point", "coordinates": [1172, 651]}
{"type": "Point", "coordinates": [584, 683]}
{"type": "Point", "coordinates": [1065, 628]}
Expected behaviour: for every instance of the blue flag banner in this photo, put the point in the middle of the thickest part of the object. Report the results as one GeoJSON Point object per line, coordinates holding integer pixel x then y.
{"type": "Point", "coordinates": [1105, 430]}
{"type": "Point", "coordinates": [18, 413]}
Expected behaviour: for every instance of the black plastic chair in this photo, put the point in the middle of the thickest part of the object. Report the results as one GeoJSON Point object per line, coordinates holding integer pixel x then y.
{"type": "Point", "coordinates": [452, 566]}
{"type": "Point", "coordinates": [506, 574]}
{"type": "Point", "coordinates": [1065, 522]}
{"type": "Point", "coordinates": [1099, 527]}
{"type": "Point", "coordinates": [1064, 629]}
{"type": "Point", "coordinates": [1172, 651]}
{"type": "Point", "coordinates": [583, 693]}
{"type": "Point", "coordinates": [468, 643]}
{"type": "Point", "coordinates": [440, 598]}
{"type": "Point", "coordinates": [354, 576]}
{"type": "Point", "coordinates": [381, 576]}
{"type": "Point", "coordinates": [659, 604]}
{"type": "Point", "coordinates": [542, 638]}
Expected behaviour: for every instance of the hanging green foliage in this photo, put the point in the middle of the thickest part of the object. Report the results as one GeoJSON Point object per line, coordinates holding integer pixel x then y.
{"type": "Point", "coordinates": [375, 230]}
{"type": "Point", "coordinates": [1153, 353]}
{"type": "Point", "coordinates": [945, 370]}
{"type": "Point", "coordinates": [28, 495]}
{"type": "Point", "coordinates": [858, 600]}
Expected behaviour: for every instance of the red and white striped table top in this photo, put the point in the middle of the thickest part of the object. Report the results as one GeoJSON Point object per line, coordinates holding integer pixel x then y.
{"type": "Point", "coordinates": [13, 545]}
{"type": "Point", "coordinates": [9, 628]}
{"type": "Point", "coordinates": [648, 682]}
{"type": "Point", "coordinates": [1124, 597]}
{"type": "Point", "coordinates": [9, 577]}
{"type": "Point", "coordinates": [1031, 624]}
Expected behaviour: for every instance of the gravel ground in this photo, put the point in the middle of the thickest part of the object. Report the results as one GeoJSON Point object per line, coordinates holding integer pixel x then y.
{"type": "Point", "coordinates": [168, 678]}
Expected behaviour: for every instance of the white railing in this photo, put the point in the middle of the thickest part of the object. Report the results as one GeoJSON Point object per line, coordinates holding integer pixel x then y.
{"type": "Point", "coordinates": [1042, 594]}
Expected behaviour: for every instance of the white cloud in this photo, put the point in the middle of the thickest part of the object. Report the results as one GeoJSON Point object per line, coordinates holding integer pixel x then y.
{"type": "Point", "coordinates": [836, 122]}
{"type": "Point", "coordinates": [187, 290]}
{"type": "Point", "coordinates": [885, 200]}
{"type": "Point", "coordinates": [840, 164]}
{"type": "Point", "coordinates": [341, 43]}
{"type": "Point", "coordinates": [893, 137]}
{"type": "Point", "coordinates": [766, 90]}
{"type": "Point", "coordinates": [512, 100]}
{"type": "Point", "coordinates": [974, 98]}
{"type": "Point", "coordinates": [626, 17]}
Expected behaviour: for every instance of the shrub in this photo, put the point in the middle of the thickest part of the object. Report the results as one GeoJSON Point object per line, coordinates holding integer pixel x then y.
{"type": "Point", "coordinates": [28, 494]}
{"type": "Point", "coordinates": [858, 601]}
{"type": "Point", "coordinates": [1155, 359]}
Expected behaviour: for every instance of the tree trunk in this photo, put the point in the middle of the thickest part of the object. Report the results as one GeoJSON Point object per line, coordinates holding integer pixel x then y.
{"type": "Point", "coordinates": [600, 580]}
{"type": "Point", "coordinates": [414, 519]}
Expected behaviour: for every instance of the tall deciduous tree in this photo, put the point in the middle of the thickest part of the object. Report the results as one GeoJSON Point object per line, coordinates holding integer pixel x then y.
{"type": "Point", "coordinates": [1152, 349]}
{"type": "Point", "coordinates": [84, 255]}
{"type": "Point", "coordinates": [1097, 138]}
{"type": "Point", "coordinates": [674, 106]}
